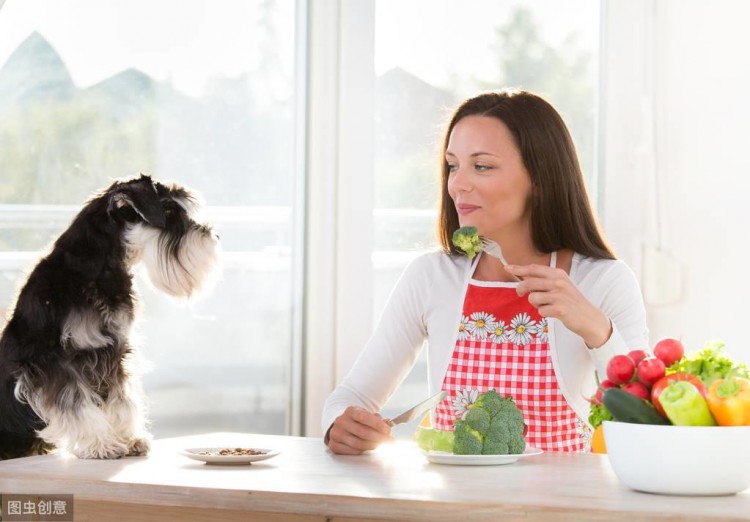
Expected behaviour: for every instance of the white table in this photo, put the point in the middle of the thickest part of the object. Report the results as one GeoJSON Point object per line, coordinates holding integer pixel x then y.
{"type": "Point", "coordinates": [307, 482]}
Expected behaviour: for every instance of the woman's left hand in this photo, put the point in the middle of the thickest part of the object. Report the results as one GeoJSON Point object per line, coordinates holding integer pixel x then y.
{"type": "Point", "coordinates": [553, 294]}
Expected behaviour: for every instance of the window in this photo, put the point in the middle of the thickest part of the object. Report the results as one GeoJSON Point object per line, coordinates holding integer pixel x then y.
{"type": "Point", "coordinates": [216, 95]}
{"type": "Point", "coordinates": [463, 48]}
{"type": "Point", "coordinates": [198, 92]}
{"type": "Point", "coordinates": [383, 77]}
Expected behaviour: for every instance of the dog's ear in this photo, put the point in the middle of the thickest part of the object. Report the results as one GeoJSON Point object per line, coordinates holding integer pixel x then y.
{"type": "Point", "coordinates": [141, 195]}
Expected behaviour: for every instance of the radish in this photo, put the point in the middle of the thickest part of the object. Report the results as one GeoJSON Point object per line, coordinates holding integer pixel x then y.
{"type": "Point", "coordinates": [637, 355]}
{"type": "Point", "coordinates": [637, 389]}
{"type": "Point", "coordinates": [620, 369]}
{"type": "Point", "coordinates": [669, 350]}
{"type": "Point", "coordinates": [605, 384]}
{"type": "Point", "coordinates": [650, 370]}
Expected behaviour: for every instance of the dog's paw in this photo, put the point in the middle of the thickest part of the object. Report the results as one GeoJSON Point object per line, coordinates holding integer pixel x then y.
{"type": "Point", "coordinates": [138, 447]}
{"type": "Point", "coordinates": [101, 452]}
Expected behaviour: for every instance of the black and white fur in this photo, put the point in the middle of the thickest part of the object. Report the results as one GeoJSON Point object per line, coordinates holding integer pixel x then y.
{"type": "Point", "coordinates": [67, 373]}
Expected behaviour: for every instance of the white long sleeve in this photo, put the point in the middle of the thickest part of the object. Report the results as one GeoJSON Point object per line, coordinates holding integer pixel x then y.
{"type": "Point", "coordinates": [426, 304]}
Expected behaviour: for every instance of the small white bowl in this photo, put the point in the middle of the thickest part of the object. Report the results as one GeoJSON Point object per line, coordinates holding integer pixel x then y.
{"type": "Point", "coordinates": [680, 460]}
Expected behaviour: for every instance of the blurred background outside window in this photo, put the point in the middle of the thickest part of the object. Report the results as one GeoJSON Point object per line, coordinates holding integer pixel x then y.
{"type": "Point", "coordinates": [462, 48]}
{"type": "Point", "coordinates": [198, 92]}
{"type": "Point", "coordinates": [217, 95]}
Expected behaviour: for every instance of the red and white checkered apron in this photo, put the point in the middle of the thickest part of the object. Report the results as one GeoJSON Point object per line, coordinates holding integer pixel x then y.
{"type": "Point", "coordinates": [503, 345]}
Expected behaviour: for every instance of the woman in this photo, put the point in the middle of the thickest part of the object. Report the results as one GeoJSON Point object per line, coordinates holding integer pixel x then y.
{"type": "Point", "coordinates": [510, 170]}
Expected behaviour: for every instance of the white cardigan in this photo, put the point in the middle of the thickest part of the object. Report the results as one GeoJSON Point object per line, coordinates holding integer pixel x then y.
{"type": "Point", "coordinates": [427, 303]}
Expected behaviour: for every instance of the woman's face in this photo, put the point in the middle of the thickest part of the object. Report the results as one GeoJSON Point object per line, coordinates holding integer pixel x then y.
{"type": "Point", "coordinates": [487, 180]}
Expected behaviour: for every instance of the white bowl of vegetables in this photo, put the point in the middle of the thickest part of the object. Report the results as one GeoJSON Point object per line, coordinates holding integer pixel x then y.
{"type": "Point", "coordinates": [680, 460]}
{"type": "Point", "coordinates": [690, 435]}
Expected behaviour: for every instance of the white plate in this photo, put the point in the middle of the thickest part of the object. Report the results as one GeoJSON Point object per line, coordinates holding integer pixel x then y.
{"type": "Point", "coordinates": [197, 454]}
{"type": "Point", "coordinates": [442, 457]}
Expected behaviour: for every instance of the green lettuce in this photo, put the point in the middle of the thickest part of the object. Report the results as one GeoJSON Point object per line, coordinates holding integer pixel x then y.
{"type": "Point", "coordinates": [709, 364]}
{"type": "Point", "coordinates": [598, 414]}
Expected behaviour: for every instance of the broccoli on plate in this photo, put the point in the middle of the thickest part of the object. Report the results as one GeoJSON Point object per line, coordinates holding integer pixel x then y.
{"type": "Point", "coordinates": [493, 426]}
{"type": "Point", "coordinates": [467, 239]}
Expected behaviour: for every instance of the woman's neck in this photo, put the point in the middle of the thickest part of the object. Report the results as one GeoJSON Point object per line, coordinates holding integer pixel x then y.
{"type": "Point", "coordinates": [490, 268]}
{"type": "Point", "coordinates": [518, 249]}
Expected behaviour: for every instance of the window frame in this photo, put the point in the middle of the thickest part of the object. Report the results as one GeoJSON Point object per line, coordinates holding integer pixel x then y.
{"type": "Point", "coordinates": [340, 152]}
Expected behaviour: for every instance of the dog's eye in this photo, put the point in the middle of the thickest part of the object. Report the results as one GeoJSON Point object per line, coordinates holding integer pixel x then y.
{"type": "Point", "coordinates": [130, 215]}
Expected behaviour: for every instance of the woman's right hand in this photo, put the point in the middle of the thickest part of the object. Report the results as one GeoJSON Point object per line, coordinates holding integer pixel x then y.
{"type": "Point", "coordinates": [357, 430]}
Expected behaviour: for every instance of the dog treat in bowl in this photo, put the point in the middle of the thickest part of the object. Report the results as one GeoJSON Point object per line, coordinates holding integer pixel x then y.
{"type": "Point", "coordinates": [234, 451]}
{"type": "Point", "coordinates": [229, 455]}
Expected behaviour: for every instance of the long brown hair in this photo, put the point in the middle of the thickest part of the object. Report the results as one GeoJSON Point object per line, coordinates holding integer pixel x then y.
{"type": "Point", "coordinates": [561, 215]}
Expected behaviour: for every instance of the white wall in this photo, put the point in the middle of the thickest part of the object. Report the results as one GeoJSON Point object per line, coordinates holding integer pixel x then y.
{"type": "Point", "coordinates": [693, 182]}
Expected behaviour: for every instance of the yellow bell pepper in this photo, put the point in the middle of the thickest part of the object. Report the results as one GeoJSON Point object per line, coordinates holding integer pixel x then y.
{"type": "Point", "coordinates": [729, 401]}
{"type": "Point", "coordinates": [597, 440]}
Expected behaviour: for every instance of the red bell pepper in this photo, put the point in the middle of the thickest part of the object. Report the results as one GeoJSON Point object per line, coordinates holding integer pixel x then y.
{"type": "Point", "coordinates": [662, 383]}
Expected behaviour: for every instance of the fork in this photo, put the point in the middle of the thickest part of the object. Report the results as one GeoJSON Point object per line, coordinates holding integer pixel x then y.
{"type": "Point", "coordinates": [493, 249]}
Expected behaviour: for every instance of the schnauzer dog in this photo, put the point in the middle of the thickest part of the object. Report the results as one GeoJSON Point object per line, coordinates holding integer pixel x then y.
{"type": "Point", "coordinates": [67, 372]}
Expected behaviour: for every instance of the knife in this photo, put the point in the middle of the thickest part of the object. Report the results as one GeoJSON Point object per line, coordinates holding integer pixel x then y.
{"type": "Point", "coordinates": [416, 411]}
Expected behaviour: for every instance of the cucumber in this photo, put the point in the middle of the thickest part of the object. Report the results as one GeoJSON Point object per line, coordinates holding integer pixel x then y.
{"type": "Point", "coordinates": [626, 407]}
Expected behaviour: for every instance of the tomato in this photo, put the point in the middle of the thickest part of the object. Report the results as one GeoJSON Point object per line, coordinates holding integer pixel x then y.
{"type": "Point", "coordinates": [669, 350]}
{"type": "Point", "coordinates": [637, 389]}
{"type": "Point", "coordinates": [637, 355]}
{"type": "Point", "coordinates": [620, 369]}
{"type": "Point", "coordinates": [603, 386]}
{"type": "Point", "coordinates": [650, 370]}
{"type": "Point", "coordinates": [662, 383]}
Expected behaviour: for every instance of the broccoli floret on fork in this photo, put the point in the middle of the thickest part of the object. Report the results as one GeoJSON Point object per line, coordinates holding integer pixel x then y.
{"type": "Point", "coordinates": [467, 239]}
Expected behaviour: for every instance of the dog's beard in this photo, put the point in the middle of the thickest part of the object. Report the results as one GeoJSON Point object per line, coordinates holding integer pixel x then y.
{"type": "Point", "coordinates": [180, 266]}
